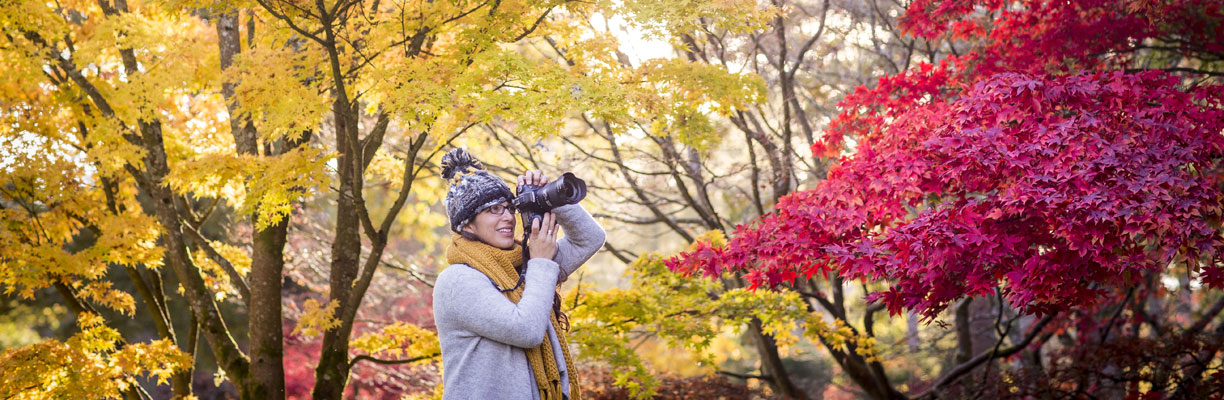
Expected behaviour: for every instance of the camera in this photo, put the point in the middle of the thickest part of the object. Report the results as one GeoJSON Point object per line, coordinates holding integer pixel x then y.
{"type": "Point", "coordinates": [532, 201]}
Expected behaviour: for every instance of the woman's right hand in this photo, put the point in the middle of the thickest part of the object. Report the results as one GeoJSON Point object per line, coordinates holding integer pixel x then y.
{"type": "Point", "coordinates": [543, 240]}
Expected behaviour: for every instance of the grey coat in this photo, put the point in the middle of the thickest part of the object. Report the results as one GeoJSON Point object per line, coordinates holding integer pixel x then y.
{"type": "Point", "coordinates": [483, 334]}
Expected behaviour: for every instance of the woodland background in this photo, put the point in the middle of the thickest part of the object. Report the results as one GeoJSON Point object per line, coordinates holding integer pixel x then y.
{"type": "Point", "coordinates": [881, 199]}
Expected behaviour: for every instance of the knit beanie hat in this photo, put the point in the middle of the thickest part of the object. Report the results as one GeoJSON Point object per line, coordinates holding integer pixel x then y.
{"type": "Point", "coordinates": [472, 188]}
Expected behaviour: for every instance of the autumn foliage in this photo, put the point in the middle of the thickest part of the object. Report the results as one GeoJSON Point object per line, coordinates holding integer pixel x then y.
{"type": "Point", "coordinates": [256, 180]}
{"type": "Point", "coordinates": [1055, 187]}
{"type": "Point", "coordinates": [600, 384]}
{"type": "Point", "coordinates": [158, 157]}
{"type": "Point", "coordinates": [1060, 187]}
{"type": "Point", "coordinates": [1068, 155]}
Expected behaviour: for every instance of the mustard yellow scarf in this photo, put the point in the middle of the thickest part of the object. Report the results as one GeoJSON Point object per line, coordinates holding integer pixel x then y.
{"type": "Point", "coordinates": [500, 266]}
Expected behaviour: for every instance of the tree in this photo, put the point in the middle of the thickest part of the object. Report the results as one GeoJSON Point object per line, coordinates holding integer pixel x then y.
{"type": "Point", "coordinates": [120, 104]}
{"type": "Point", "coordinates": [687, 313]}
{"type": "Point", "coordinates": [88, 365]}
{"type": "Point", "coordinates": [1042, 165]}
{"type": "Point", "coordinates": [657, 177]}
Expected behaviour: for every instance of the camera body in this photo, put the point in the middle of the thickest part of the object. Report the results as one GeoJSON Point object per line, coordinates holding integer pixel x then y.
{"type": "Point", "coordinates": [532, 201]}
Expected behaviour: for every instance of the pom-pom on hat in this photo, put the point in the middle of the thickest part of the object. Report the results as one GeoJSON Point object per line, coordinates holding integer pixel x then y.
{"type": "Point", "coordinates": [472, 188]}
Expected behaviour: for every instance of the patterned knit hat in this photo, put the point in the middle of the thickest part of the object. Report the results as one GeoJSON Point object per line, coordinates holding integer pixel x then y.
{"type": "Point", "coordinates": [472, 188]}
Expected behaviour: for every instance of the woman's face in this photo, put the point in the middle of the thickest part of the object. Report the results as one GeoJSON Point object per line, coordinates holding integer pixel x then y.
{"type": "Point", "coordinates": [496, 229]}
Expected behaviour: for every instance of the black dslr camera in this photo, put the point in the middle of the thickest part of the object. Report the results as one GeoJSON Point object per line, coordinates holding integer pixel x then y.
{"type": "Point", "coordinates": [533, 201]}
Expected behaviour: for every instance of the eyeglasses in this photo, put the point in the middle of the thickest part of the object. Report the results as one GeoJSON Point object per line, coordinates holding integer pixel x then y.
{"type": "Point", "coordinates": [498, 209]}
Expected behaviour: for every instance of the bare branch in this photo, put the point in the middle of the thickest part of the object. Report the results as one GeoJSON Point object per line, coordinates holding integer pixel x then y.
{"type": "Point", "coordinates": [625, 256]}
{"type": "Point", "coordinates": [637, 189]}
{"type": "Point", "coordinates": [745, 376]}
{"type": "Point", "coordinates": [1207, 318]}
{"type": "Point", "coordinates": [964, 368]}
{"type": "Point", "coordinates": [365, 357]}
{"type": "Point", "coordinates": [647, 221]}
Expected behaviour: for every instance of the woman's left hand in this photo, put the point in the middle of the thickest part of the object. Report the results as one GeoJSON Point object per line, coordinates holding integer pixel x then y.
{"type": "Point", "coordinates": [532, 177]}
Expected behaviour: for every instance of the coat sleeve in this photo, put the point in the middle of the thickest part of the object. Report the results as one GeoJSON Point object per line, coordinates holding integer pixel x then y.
{"type": "Point", "coordinates": [465, 299]}
{"type": "Point", "coordinates": [583, 237]}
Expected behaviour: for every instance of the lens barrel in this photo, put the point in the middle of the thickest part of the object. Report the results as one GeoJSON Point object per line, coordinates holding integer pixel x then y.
{"type": "Point", "coordinates": [533, 201]}
{"type": "Point", "coordinates": [568, 189]}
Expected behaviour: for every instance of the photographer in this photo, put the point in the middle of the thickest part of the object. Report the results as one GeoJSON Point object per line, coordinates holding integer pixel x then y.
{"type": "Point", "coordinates": [499, 316]}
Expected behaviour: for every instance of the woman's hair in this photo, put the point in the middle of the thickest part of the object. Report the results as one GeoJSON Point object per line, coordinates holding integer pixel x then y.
{"type": "Point", "coordinates": [470, 236]}
{"type": "Point", "coordinates": [562, 318]}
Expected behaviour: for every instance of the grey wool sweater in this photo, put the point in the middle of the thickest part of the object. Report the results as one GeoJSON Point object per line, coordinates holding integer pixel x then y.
{"type": "Point", "coordinates": [483, 334]}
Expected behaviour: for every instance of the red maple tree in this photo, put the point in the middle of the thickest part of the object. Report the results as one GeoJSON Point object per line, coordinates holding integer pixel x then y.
{"type": "Point", "coordinates": [1069, 152]}
{"type": "Point", "coordinates": [1053, 179]}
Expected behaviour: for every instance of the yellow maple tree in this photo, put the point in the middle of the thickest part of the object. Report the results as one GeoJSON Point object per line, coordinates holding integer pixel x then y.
{"type": "Point", "coordinates": [131, 129]}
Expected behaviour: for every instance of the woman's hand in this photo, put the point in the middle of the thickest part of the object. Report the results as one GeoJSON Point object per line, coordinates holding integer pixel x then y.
{"type": "Point", "coordinates": [532, 177]}
{"type": "Point", "coordinates": [543, 241]}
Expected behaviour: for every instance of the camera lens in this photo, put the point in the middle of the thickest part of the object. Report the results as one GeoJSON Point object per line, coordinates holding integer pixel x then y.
{"type": "Point", "coordinates": [568, 189]}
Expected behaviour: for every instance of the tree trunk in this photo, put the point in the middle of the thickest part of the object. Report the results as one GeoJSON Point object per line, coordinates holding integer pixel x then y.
{"type": "Point", "coordinates": [331, 375]}
{"type": "Point", "coordinates": [984, 313]}
{"type": "Point", "coordinates": [868, 376]}
{"type": "Point", "coordinates": [964, 332]}
{"type": "Point", "coordinates": [264, 310]}
{"type": "Point", "coordinates": [265, 320]}
{"type": "Point", "coordinates": [874, 384]}
{"type": "Point", "coordinates": [228, 356]}
{"type": "Point", "coordinates": [203, 306]}
{"type": "Point", "coordinates": [771, 363]}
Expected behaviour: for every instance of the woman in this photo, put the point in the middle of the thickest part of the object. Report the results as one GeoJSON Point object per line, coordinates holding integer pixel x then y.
{"type": "Point", "coordinates": [502, 330]}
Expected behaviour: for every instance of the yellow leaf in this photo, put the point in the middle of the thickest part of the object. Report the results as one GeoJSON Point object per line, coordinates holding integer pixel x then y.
{"type": "Point", "coordinates": [315, 319]}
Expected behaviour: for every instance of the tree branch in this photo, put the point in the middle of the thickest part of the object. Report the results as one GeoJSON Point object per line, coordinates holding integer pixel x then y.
{"type": "Point", "coordinates": [745, 376]}
{"type": "Point", "coordinates": [646, 221]}
{"type": "Point", "coordinates": [216, 257]}
{"type": "Point", "coordinates": [409, 177]}
{"type": "Point", "coordinates": [964, 368]}
{"type": "Point", "coordinates": [373, 140]}
{"type": "Point", "coordinates": [533, 27]}
{"type": "Point", "coordinates": [1207, 318]}
{"type": "Point", "coordinates": [365, 357]}
{"type": "Point", "coordinates": [626, 258]}
{"type": "Point", "coordinates": [633, 184]}
{"type": "Point", "coordinates": [1176, 69]}
{"type": "Point", "coordinates": [412, 272]}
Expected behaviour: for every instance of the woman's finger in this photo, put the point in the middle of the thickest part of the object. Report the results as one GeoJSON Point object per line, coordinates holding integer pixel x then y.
{"type": "Point", "coordinates": [544, 224]}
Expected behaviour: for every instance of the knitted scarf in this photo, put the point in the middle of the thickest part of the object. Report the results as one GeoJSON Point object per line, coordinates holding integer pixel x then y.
{"type": "Point", "coordinates": [500, 266]}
